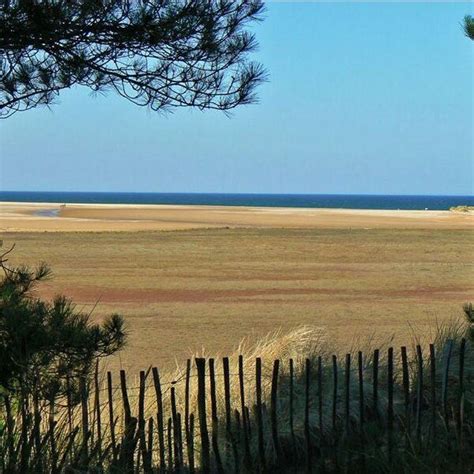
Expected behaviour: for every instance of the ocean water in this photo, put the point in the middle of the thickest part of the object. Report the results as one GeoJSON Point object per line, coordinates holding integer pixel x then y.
{"type": "Point", "coordinates": [342, 201]}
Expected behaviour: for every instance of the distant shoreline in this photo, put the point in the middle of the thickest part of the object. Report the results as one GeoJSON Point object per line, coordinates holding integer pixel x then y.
{"type": "Point", "coordinates": [80, 217]}
{"type": "Point", "coordinates": [305, 201]}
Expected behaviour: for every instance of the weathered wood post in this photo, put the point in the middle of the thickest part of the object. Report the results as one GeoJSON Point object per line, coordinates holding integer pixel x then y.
{"type": "Point", "coordinates": [227, 400]}
{"type": "Point", "coordinates": [419, 393]}
{"type": "Point", "coordinates": [85, 418]}
{"type": "Point", "coordinates": [375, 383]}
{"type": "Point", "coordinates": [460, 407]}
{"type": "Point", "coordinates": [111, 415]}
{"type": "Point", "coordinates": [406, 392]}
{"type": "Point", "coordinates": [186, 411]}
{"type": "Point", "coordinates": [444, 393]}
{"type": "Point", "coordinates": [231, 439]}
{"type": "Point", "coordinates": [149, 462]}
{"type": "Point", "coordinates": [259, 415]}
{"type": "Point", "coordinates": [98, 419]}
{"type": "Point", "coordinates": [307, 432]}
{"type": "Point", "coordinates": [360, 361]}
{"type": "Point", "coordinates": [291, 417]}
{"type": "Point", "coordinates": [177, 449]}
{"type": "Point", "coordinates": [347, 394]}
{"type": "Point", "coordinates": [215, 420]}
{"type": "Point", "coordinates": [126, 403]}
{"type": "Point", "coordinates": [141, 421]}
{"type": "Point", "coordinates": [243, 412]}
{"type": "Point", "coordinates": [205, 456]}
{"type": "Point", "coordinates": [171, 467]}
{"type": "Point", "coordinates": [433, 390]}
{"type": "Point", "coordinates": [390, 403]}
{"type": "Point", "coordinates": [191, 444]}
{"type": "Point", "coordinates": [274, 412]}
{"type": "Point", "coordinates": [160, 418]}
{"type": "Point", "coordinates": [320, 397]}
{"type": "Point", "coordinates": [334, 395]}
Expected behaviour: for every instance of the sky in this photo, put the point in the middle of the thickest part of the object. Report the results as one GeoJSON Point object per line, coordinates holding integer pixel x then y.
{"type": "Point", "coordinates": [363, 98]}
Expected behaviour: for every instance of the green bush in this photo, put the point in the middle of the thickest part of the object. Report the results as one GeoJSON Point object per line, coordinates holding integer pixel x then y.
{"type": "Point", "coordinates": [43, 343]}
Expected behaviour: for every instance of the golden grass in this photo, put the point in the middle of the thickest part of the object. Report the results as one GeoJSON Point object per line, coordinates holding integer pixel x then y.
{"type": "Point", "coordinates": [185, 290]}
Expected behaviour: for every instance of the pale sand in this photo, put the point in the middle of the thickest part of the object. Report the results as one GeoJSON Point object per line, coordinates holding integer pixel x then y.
{"type": "Point", "coordinates": [17, 217]}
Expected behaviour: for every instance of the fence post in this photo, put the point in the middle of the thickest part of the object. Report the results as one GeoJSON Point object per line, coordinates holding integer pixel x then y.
{"type": "Point", "coordinates": [360, 366]}
{"type": "Point", "coordinates": [186, 403]}
{"type": "Point", "coordinates": [179, 440]}
{"type": "Point", "coordinates": [126, 403]}
{"type": "Point", "coordinates": [273, 410]}
{"type": "Point", "coordinates": [111, 415]}
{"type": "Point", "coordinates": [161, 426]}
{"type": "Point", "coordinates": [375, 383]}
{"type": "Point", "coordinates": [406, 392]}
{"type": "Point", "coordinates": [149, 462]}
{"type": "Point", "coordinates": [69, 405]}
{"type": "Point", "coordinates": [215, 421]}
{"type": "Point", "coordinates": [419, 392]}
{"type": "Point", "coordinates": [433, 390]}
{"type": "Point", "coordinates": [292, 427]}
{"type": "Point", "coordinates": [191, 444]}
{"type": "Point", "coordinates": [444, 393]}
{"type": "Point", "coordinates": [334, 394]}
{"type": "Point", "coordinates": [228, 414]}
{"type": "Point", "coordinates": [85, 418]}
{"type": "Point", "coordinates": [36, 426]}
{"type": "Point", "coordinates": [176, 434]}
{"type": "Point", "coordinates": [460, 407]}
{"type": "Point", "coordinates": [52, 436]}
{"type": "Point", "coordinates": [170, 445]}
{"type": "Point", "coordinates": [186, 409]}
{"type": "Point", "coordinates": [347, 393]}
{"type": "Point", "coordinates": [361, 390]}
{"type": "Point", "coordinates": [243, 413]}
{"type": "Point", "coordinates": [98, 413]}
{"type": "Point", "coordinates": [141, 420]}
{"type": "Point", "coordinates": [201, 373]}
{"type": "Point", "coordinates": [390, 404]}
{"type": "Point", "coordinates": [227, 401]}
{"type": "Point", "coordinates": [307, 433]}
{"type": "Point", "coordinates": [258, 393]}
{"type": "Point", "coordinates": [320, 396]}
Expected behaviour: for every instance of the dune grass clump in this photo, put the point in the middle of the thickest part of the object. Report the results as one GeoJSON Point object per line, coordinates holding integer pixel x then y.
{"type": "Point", "coordinates": [461, 208]}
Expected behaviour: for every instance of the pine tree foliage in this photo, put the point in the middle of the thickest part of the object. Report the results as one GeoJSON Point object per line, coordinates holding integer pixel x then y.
{"type": "Point", "coordinates": [469, 26]}
{"type": "Point", "coordinates": [156, 53]}
{"type": "Point", "coordinates": [45, 344]}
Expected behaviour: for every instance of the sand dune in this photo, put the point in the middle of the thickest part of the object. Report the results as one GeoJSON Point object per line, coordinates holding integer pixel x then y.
{"type": "Point", "coordinates": [40, 217]}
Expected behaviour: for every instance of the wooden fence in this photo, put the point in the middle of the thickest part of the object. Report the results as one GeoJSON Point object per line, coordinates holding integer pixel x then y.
{"type": "Point", "coordinates": [383, 412]}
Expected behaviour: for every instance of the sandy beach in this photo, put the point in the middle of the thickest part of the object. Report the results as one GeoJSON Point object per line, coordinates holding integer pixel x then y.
{"type": "Point", "coordinates": [56, 217]}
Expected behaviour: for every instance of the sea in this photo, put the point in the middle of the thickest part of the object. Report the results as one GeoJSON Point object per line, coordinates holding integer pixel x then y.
{"type": "Point", "coordinates": [330, 201]}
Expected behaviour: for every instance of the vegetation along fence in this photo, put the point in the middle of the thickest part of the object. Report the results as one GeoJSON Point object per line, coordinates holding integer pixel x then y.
{"type": "Point", "coordinates": [387, 411]}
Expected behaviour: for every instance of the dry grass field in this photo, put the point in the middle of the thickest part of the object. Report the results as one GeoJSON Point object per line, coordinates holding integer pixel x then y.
{"type": "Point", "coordinates": [184, 290]}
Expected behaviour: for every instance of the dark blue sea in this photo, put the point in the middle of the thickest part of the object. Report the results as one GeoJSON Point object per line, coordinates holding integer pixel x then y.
{"type": "Point", "coordinates": [344, 201]}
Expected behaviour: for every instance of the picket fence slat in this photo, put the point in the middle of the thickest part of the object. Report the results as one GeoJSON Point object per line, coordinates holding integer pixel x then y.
{"type": "Point", "coordinates": [160, 417]}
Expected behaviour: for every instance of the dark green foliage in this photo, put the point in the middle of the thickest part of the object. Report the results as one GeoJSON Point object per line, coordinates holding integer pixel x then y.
{"type": "Point", "coordinates": [157, 53]}
{"type": "Point", "coordinates": [44, 343]}
{"type": "Point", "coordinates": [469, 26]}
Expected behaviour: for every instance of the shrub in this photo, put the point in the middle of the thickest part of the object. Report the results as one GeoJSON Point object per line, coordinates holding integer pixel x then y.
{"type": "Point", "coordinates": [42, 343]}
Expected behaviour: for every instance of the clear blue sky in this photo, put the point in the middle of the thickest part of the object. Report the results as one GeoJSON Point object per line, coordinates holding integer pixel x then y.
{"type": "Point", "coordinates": [362, 98]}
